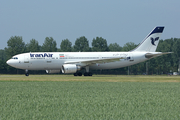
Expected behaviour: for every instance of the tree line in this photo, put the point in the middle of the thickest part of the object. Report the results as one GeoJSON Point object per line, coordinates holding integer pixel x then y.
{"type": "Point", "coordinates": [160, 65]}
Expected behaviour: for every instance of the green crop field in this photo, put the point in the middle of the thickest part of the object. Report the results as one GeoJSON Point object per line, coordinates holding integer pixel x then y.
{"type": "Point", "coordinates": [97, 97]}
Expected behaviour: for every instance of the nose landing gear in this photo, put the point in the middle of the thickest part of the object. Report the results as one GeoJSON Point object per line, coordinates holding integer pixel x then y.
{"type": "Point", "coordinates": [26, 73]}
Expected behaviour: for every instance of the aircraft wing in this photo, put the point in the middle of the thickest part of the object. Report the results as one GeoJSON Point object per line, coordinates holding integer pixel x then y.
{"type": "Point", "coordinates": [88, 62]}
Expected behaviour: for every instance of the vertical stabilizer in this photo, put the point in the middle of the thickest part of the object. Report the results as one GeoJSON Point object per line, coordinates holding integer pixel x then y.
{"type": "Point", "coordinates": [150, 43]}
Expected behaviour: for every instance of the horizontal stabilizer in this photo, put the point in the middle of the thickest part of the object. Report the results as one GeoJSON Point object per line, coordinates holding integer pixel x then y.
{"type": "Point", "coordinates": [152, 55]}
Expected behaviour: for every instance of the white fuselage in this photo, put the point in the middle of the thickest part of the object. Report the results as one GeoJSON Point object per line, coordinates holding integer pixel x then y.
{"type": "Point", "coordinates": [55, 60]}
{"type": "Point", "coordinates": [72, 62]}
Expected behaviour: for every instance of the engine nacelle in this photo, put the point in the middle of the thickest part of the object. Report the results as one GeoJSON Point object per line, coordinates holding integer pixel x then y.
{"type": "Point", "coordinates": [70, 68]}
{"type": "Point", "coordinates": [53, 71]}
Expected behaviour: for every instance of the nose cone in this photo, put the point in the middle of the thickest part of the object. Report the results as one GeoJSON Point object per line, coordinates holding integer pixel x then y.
{"type": "Point", "coordinates": [11, 63]}
{"type": "Point", "coordinates": [8, 62]}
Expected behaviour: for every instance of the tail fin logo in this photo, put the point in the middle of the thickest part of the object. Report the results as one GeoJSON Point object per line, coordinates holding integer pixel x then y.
{"type": "Point", "coordinates": [153, 40]}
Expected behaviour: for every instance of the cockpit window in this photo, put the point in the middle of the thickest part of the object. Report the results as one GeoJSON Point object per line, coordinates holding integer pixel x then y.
{"type": "Point", "coordinates": [14, 58]}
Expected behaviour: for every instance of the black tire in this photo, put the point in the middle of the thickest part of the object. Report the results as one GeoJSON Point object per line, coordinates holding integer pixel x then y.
{"type": "Point", "coordinates": [79, 74]}
{"type": "Point", "coordinates": [90, 74]}
{"type": "Point", "coordinates": [27, 74]}
{"type": "Point", "coordinates": [85, 74]}
{"type": "Point", "coordinates": [75, 74]}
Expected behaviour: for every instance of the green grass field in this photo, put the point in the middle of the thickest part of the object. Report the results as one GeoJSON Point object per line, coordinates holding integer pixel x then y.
{"type": "Point", "coordinates": [97, 97]}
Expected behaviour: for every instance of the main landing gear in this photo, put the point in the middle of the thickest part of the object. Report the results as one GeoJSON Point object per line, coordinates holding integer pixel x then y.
{"type": "Point", "coordinates": [26, 73]}
{"type": "Point", "coordinates": [87, 73]}
{"type": "Point", "coordinates": [78, 74]}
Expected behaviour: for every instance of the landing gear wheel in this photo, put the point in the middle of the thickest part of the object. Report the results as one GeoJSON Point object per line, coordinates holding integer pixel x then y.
{"type": "Point", "coordinates": [75, 74]}
{"type": "Point", "coordinates": [26, 73]}
{"type": "Point", "coordinates": [90, 74]}
{"type": "Point", "coordinates": [79, 74]}
{"type": "Point", "coordinates": [85, 74]}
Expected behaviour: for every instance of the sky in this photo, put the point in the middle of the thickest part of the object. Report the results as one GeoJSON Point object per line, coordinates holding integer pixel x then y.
{"type": "Point", "coordinates": [117, 21]}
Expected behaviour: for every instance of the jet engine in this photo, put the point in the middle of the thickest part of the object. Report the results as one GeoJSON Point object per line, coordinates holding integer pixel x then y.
{"type": "Point", "coordinates": [70, 68]}
{"type": "Point", "coordinates": [53, 71]}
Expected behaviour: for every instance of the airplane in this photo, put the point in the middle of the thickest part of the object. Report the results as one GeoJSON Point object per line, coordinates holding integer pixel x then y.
{"type": "Point", "coordinates": [73, 62]}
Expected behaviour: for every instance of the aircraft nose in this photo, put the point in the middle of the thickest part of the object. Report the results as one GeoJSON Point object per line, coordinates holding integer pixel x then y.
{"type": "Point", "coordinates": [8, 62]}
{"type": "Point", "coordinates": [11, 63]}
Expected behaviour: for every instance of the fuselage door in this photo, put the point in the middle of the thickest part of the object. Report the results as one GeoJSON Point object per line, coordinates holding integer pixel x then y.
{"type": "Point", "coordinates": [130, 58]}
{"type": "Point", "coordinates": [26, 58]}
{"type": "Point", "coordinates": [48, 62]}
